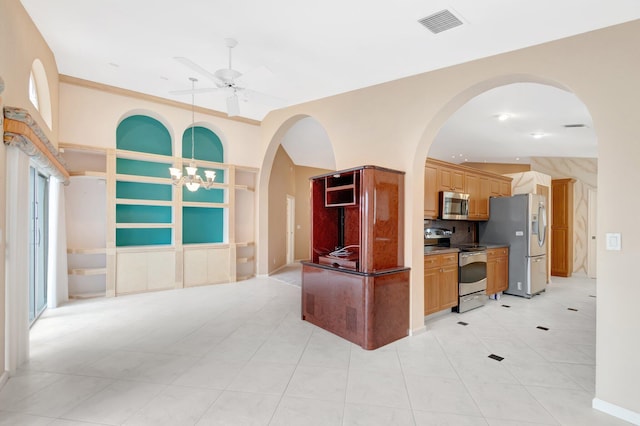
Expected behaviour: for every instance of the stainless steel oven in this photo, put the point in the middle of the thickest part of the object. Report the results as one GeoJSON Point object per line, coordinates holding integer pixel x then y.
{"type": "Point", "coordinates": [472, 278]}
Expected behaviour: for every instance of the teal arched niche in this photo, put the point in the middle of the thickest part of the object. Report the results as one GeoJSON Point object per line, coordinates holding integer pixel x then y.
{"type": "Point", "coordinates": [203, 224]}
{"type": "Point", "coordinates": [141, 133]}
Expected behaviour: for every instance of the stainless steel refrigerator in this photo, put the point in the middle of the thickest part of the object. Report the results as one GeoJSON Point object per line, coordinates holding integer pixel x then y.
{"type": "Point", "coordinates": [521, 222]}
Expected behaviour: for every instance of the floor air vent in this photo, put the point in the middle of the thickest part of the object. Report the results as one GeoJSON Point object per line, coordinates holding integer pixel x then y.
{"type": "Point", "coordinates": [440, 21]}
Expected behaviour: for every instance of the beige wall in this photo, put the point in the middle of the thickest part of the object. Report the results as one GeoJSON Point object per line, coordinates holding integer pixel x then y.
{"type": "Point", "coordinates": [20, 45]}
{"type": "Point", "coordinates": [90, 114]}
{"type": "Point", "coordinates": [281, 184]}
{"type": "Point", "coordinates": [601, 69]}
{"type": "Point", "coordinates": [303, 210]}
{"type": "Point", "coordinates": [585, 171]}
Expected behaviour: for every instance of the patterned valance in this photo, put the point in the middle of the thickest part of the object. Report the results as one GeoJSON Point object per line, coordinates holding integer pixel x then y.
{"type": "Point", "coordinates": [21, 131]}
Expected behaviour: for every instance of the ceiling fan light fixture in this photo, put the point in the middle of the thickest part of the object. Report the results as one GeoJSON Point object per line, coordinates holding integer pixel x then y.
{"type": "Point", "coordinates": [227, 75]}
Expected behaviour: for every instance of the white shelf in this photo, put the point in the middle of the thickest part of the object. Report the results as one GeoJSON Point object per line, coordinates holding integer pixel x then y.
{"type": "Point", "coordinates": [88, 271]}
{"type": "Point", "coordinates": [137, 202]}
{"type": "Point", "coordinates": [204, 204]}
{"type": "Point", "coordinates": [88, 174]}
{"type": "Point", "coordinates": [244, 188]}
{"type": "Point", "coordinates": [143, 225]}
{"type": "Point", "coordinates": [246, 244]}
{"type": "Point", "coordinates": [144, 156]}
{"type": "Point", "coordinates": [245, 259]}
{"type": "Point", "coordinates": [100, 250]}
{"type": "Point", "coordinates": [85, 295]}
{"type": "Point", "coordinates": [120, 177]}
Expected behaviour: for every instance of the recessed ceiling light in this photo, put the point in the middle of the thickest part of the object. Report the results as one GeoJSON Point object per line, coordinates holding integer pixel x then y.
{"type": "Point", "coordinates": [517, 158]}
{"type": "Point", "coordinates": [538, 135]}
{"type": "Point", "coordinates": [504, 116]}
{"type": "Point", "coordinates": [113, 64]}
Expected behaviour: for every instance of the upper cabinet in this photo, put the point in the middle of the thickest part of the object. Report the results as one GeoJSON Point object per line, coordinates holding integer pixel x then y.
{"type": "Point", "coordinates": [480, 185]}
{"type": "Point", "coordinates": [450, 179]}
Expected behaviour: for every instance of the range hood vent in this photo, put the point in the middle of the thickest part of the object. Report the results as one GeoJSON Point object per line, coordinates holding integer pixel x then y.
{"type": "Point", "coordinates": [441, 21]}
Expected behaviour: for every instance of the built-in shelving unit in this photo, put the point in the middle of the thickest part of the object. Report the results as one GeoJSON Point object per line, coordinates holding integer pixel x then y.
{"type": "Point", "coordinates": [145, 233]}
{"type": "Point", "coordinates": [86, 198]}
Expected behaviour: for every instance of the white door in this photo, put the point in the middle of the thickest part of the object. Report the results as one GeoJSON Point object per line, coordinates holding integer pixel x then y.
{"type": "Point", "coordinates": [290, 237]}
{"type": "Point", "coordinates": [591, 226]}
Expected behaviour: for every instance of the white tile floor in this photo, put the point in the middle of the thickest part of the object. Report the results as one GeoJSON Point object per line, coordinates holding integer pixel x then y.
{"type": "Point", "coordinates": [238, 354]}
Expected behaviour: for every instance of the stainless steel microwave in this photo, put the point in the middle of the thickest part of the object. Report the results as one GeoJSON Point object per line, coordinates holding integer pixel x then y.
{"type": "Point", "coordinates": [454, 205]}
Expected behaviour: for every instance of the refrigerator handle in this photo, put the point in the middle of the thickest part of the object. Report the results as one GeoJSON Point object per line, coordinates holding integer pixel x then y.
{"type": "Point", "coordinates": [542, 219]}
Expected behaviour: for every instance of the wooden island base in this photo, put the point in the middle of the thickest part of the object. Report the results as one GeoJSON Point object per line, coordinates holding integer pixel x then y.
{"type": "Point", "coordinates": [370, 310]}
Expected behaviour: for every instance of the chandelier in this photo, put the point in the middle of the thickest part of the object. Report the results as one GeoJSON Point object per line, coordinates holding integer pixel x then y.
{"type": "Point", "coordinates": [192, 180]}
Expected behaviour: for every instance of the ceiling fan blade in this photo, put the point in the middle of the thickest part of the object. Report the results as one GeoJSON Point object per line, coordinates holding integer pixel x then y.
{"type": "Point", "coordinates": [263, 98]}
{"type": "Point", "coordinates": [233, 106]}
{"type": "Point", "coordinates": [197, 68]}
{"type": "Point", "coordinates": [254, 76]}
{"type": "Point", "coordinates": [191, 91]}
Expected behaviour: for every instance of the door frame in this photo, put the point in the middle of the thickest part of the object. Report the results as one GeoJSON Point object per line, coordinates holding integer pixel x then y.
{"type": "Point", "coordinates": [290, 229]}
{"type": "Point", "coordinates": [592, 244]}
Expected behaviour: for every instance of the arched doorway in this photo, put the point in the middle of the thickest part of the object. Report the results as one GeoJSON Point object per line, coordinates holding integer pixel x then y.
{"type": "Point", "coordinates": [442, 125]}
{"type": "Point", "coordinates": [300, 149]}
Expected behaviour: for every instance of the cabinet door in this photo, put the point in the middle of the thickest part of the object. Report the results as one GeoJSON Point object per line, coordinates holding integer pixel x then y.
{"type": "Point", "coordinates": [502, 273]}
{"type": "Point", "coordinates": [450, 180]}
{"type": "Point", "coordinates": [430, 192]}
{"type": "Point", "coordinates": [472, 187]}
{"type": "Point", "coordinates": [483, 203]}
{"type": "Point", "coordinates": [505, 188]}
{"type": "Point", "coordinates": [497, 270]}
{"type": "Point", "coordinates": [448, 288]}
{"type": "Point", "coordinates": [431, 286]}
{"type": "Point", "coordinates": [494, 190]}
{"type": "Point", "coordinates": [492, 275]}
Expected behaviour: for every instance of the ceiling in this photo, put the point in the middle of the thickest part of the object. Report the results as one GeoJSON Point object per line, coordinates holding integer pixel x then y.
{"type": "Point", "coordinates": [297, 51]}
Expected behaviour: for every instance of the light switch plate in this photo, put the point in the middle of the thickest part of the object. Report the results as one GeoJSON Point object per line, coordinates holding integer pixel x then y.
{"type": "Point", "coordinates": [613, 241]}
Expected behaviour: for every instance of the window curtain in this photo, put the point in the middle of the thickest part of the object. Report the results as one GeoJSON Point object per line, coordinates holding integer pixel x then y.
{"type": "Point", "coordinates": [57, 277]}
{"type": "Point", "coordinates": [17, 259]}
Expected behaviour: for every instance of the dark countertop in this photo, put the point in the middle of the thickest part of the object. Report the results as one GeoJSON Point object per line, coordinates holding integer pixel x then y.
{"type": "Point", "coordinates": [429, 250]}
{"type": "Point", "coordinates": [495, 245]}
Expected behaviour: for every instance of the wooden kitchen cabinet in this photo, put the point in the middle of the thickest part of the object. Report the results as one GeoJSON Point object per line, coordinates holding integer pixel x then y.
{"type": "Point", "coordinates": [440, 282]}
{"type": "Point", "coordinates": [480, 185]}
{"type": "Point", "coordinates": [497, 270]}
{"type": "Point", "coordinates": [450, 179]}
{"type": "Point", "coordinates": [430, 191]}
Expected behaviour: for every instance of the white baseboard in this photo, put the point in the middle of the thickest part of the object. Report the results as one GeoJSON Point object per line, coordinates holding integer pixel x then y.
{"type": "Point", "coordinates": [417, 331]}
{"type": "Point", "coordinates": [615, 411]}
{"type": "Point", "coordinates": [3, 378]}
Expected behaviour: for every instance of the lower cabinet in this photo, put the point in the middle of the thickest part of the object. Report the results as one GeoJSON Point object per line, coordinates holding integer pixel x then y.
{"type": "Point", "coordinates": [440, 282]}
{"type": "Point", "coordinates": [370, 310]}
{"type": "Point", "coordinates": [145, 270]}
{"type": "Point", "coordinates": [497, 270]}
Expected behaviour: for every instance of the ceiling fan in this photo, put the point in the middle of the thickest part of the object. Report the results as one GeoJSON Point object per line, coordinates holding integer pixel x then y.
{"type": "Point", "coordinates": [232, 82]}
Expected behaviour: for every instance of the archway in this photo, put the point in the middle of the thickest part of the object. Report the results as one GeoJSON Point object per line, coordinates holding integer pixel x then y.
{"type": "Point", "coordinates": [299, 149]}
{"type": "Point", "coordinates": [426, 141]}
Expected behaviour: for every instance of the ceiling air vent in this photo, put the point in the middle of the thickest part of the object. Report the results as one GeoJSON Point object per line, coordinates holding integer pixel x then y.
{"type": "Point", "coordinates": [440, 21]}
{"type": "Point", "coordinates": [574, 126]}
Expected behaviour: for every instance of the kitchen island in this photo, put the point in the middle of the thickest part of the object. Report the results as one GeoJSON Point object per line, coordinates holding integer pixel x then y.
{"type": "Point", "coordinates": [354, 284]}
